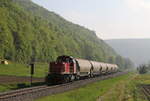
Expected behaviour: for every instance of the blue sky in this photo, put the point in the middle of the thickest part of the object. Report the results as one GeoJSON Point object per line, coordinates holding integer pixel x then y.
{"type": "Point", "coordinates": [110, 19]}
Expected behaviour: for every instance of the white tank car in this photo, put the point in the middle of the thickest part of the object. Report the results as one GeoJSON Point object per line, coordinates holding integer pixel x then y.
{"type": "Point", "coordinates": [96, 67]}
{"type": "Point", "coordinates": [84, 66]}
{"type": "Point", "coordinates": [110, 68]}
{"type": "Point", "coordinates": [113, 68]}
{"type": "Point", "coordinates": [103, 67]}
{"type": "Point", "coordinates": [116, 68]}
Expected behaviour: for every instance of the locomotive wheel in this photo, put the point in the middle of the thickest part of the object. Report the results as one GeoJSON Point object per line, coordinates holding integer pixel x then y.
{"type": "Point", "coordinates": [72, 77]}
{"type": "Point", "coordinates": [66, 78]}
{"type": "Point", "coordinates": [91, 73]}
{"type": "Point", "coordinates": [77, 77]}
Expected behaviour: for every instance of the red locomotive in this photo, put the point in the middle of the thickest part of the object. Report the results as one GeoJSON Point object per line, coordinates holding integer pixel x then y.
{"type": "Point", "coordinates": [67, 68]}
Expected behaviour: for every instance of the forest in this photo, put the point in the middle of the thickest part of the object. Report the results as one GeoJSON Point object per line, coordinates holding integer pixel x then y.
{"type": "Point", "coordinates": [29, 32]}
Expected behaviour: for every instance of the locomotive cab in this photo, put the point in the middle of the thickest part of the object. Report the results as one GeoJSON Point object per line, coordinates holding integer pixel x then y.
{"type": "Point", "coordinates": [67, 65]}
{"type": "Point", "coordinates": [63, 69]}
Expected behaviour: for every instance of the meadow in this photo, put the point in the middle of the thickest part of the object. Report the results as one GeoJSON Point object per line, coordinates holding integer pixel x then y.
{"type": "Point", "coordinates": [8, 87]}
{"type": "Point", "coordinates": [122, 88]}
{"type": "Point", "coordinates": [18, 69]}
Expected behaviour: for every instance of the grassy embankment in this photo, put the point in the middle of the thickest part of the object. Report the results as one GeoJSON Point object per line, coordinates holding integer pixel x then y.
{"type": "Point", "coordinates": [17, 69]}
{"type": "Point", "coordinates": [14, 86]}
{"type": "Point", "coordinates": [89, 92]}
{"type": "Point", "coordinates": [127, 90]}
{"type": "Point", "coordinates": [123, 88]}
{"type": "Point", "coordinates": [8, 87]}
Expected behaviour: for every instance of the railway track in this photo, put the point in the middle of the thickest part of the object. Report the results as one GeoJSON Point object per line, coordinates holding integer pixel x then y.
{"type": "Point", "coordinates": [146, 91]}
{"type": "Point", "coordinates": [29, 94]}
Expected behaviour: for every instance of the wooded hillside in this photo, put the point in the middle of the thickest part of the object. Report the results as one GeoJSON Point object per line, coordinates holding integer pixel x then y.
{"type": "Point", "coordinates": [29, 32]}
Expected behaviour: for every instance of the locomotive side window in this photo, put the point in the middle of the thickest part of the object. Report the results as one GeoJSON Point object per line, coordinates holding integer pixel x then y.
{"type": "Point", "coordinates": [71, 62]}
{"type": "Point", "coordinates": [59, 59]}
{"type": "Point", "coordinates": [65, 59]}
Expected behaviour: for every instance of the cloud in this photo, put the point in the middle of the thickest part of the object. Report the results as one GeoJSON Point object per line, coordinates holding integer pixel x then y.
{"type": "Point", "coordinates": [105, 28]}
{"type": "Point", "coordinates": [137, 5]}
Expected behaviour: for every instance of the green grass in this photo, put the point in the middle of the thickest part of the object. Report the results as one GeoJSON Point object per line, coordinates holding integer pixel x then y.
{"type": "Point", "coordinates": [123, 88]}
{"type": "Point", "coordinates": [134, 89]}
{"type": "Point", "coordinates": [23, 70]}
{"type": "Point", "coordinates": [4, 88]}
{"type": "Point", "coordinates": [90, 92]}
{"type": "Point", "coordinates": [14, 86]}
{"type": "Point", "coordinates": [127, 90]}
{"type": "Point", "coordinates": [8, 87]}
{"type": "Point", "coordinates": [17, 69]}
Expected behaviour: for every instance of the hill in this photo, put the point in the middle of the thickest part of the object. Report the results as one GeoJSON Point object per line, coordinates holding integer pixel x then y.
{"type": "Point", "coordinates": [135, 49]}
{"type": "Point", "coordinates": [29, 32]}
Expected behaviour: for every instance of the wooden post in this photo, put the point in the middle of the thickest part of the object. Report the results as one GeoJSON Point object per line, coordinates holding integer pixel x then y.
{"type": "Point", "coordinates": [32, 71]}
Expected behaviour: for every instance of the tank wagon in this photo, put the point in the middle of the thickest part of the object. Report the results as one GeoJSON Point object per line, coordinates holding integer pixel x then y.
{"type": "Point", "coordinates": [67, 68]}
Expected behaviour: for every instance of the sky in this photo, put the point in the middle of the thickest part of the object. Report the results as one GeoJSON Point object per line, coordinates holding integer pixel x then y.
{"type": "Point", "coordinates": [110, 19]}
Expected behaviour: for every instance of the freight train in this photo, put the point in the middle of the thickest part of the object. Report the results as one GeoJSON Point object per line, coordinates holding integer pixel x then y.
{"type": "Point", "coordinates": [67, 68]}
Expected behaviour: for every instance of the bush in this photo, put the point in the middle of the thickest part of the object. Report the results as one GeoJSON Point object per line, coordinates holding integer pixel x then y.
{"type": "Point", "coordinates": [142, 69]}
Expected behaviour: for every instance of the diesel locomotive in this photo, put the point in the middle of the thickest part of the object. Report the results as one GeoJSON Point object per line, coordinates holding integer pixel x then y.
{"type": "Point", "coordinates": [67, 68]}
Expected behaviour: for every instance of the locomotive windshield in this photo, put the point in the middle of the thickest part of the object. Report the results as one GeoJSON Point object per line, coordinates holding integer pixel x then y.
{"type": "Point", "coordinates": [67, 59]}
